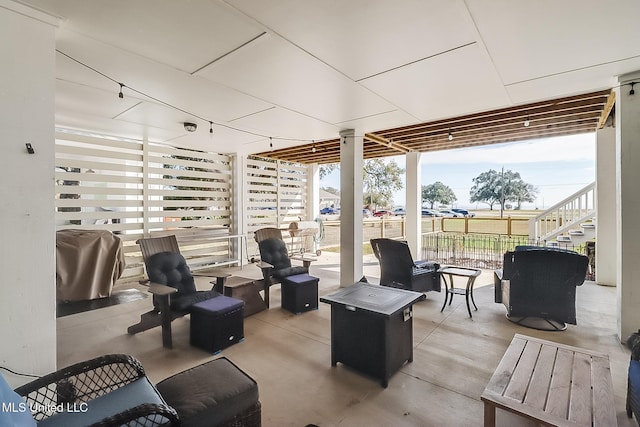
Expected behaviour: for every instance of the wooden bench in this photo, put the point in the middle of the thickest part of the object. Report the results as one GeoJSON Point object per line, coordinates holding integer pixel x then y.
{"type": "Point", "coordinates": [553, 384]}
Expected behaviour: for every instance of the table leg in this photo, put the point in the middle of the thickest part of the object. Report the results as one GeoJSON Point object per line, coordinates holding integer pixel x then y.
{"type": "Point", "coordinates": [473, 280]}
{"type": "Point", "coordinates": [489, 415]}
{"type": "Point", "coordinates": [219, 286]}
{"type": "Point", "coordinates": [446, 292]}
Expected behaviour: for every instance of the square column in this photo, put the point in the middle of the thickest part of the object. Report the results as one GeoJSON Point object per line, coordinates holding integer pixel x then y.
{"type": "Point", "coordinates": [413, 203]}
{"type": "Point", "coordinates": [628, 204]}
{"type": "Point", "coordinates": [606, 206]}
{"type": "Point", "coordinates": [351, 152]}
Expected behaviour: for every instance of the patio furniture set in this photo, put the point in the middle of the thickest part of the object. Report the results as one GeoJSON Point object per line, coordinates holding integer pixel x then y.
{"type": "Point", "coordinates": [371, 331]}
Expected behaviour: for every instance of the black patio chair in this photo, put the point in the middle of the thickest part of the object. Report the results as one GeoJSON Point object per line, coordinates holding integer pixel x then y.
{"type": "Point", "coordinates": [537, 285]}
{"type": "Point", "coordinates": [172, 285]}
{"type": "Point", "coordinates": [398, 270]}
{"type": "Point", "coordinates": [276, 264]}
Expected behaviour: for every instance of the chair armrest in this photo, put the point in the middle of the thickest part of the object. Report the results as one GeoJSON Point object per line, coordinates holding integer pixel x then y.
{"type": "Point", "coordinates": [262, 265]}
{"type": "Point", "coordinates": [81, 382]}
{"type": "Point", "coordinates": [497, 283]}
{"type": "Point", "coordinates": [161, 290]}
{"type": "Point", "coordinates": [153, 413]}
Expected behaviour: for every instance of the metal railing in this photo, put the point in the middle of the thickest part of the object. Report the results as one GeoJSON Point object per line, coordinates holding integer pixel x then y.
{"type": "Point", "coordinates": [475, 250]}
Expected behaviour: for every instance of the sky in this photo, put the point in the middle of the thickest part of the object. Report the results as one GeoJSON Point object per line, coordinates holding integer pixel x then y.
{"type": "Point", "coordinates": [557, 167]}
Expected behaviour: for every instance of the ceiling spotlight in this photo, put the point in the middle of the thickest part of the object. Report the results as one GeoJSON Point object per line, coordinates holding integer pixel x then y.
{"type": "Point", "coordinates": [632, 92]}
{"type": "Point", "coordinates": [450, 135]}
{"type": "Point", "coordinates": [211, 128]}
{"type": "Point", "coordinates": [526, 122]}
{"type": "Point", "coordinates": [190, 127]}
{"type": "Point", "coordinates": [120, 94]}
{"type": "Point", "coordinates": [313, 149]}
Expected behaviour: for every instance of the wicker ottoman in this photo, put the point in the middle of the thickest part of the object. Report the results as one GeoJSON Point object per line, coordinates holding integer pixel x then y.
{"type": "Point", "coordinates": [217, 323]}
{"type": "Point", "coordinates": [216, 393]}
{"type": "Point", "coordinates": [299, 293]}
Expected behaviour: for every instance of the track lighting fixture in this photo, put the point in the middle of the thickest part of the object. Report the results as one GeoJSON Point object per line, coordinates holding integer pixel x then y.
{"type": "Point", "coordinates": [450, 135]}
{"type": "Point", "coordinates": [632, 91]}
{"type": "Point", "coordinates": [190, 127]}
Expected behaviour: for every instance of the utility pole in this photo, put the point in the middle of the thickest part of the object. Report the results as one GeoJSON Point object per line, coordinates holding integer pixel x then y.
{"type": "Point", "coordinates": [502, 192]}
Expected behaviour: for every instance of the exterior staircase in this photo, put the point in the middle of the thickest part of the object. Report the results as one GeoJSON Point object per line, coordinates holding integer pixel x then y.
{"type": "Point", "coordinates": [568, 224]}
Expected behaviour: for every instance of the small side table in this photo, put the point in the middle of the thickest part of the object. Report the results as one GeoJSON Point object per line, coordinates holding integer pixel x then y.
{"type": "Point", "coordinates": [470, 274]}
{"type": "Point", "coordinates": [248, 291]}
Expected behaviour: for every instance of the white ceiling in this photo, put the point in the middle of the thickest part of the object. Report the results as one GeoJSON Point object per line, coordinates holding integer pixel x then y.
{"type": "Point", "coordinates": [298, 71]}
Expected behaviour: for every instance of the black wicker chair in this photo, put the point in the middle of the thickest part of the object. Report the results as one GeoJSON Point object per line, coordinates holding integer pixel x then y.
{"type": "Point", "coordinates": [538, 286]}
{"type": "Point", "coordinates": [398, 270]}
{"type": "Point", "coordinates": [110, 390]}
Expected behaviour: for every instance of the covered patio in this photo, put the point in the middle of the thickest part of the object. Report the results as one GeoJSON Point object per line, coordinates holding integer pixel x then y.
{"type": "Point", "coordinates": [290, 355]}
{"type": "Point", "coordinates": [292, 85]}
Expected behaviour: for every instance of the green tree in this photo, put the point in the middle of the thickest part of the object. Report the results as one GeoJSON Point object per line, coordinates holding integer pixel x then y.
{"type": "Point", "coordinates": [380, 180]}
{"type": "Point", "coordinates": [486, 188]}
{"type": "Point", "coordinates": [523, 192]}
{"type": "Point", "coordinates": [325, 170]}
{"type": "Point", "coordinates": [438, 193]}
{"type": "Point", "coordinates": [493, 187]}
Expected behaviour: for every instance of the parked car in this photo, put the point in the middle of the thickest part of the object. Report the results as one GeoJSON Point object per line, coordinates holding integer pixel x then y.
{"type": "Point", "coordinates": [464, 212]}
{"type": "Point", "coordinates": [329, 211]}
{"type": "Point", "coordinates": [451, 214]}
{"type": "Point", "coordinates": [382, 212]}
{"type": "Point", "coordinates": [430, 212]}
{"type": "Point", "coordinates": [399, 211]}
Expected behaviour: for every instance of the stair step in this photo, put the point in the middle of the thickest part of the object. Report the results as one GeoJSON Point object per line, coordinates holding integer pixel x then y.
{"type": "Point", "coordinates": [563, 238]}
{"type": "Point", "coordinates": [576, 233]}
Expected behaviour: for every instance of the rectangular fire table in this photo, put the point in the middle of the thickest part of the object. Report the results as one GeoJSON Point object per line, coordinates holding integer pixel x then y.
{"type": "Point", "coordinates": [372, 328]}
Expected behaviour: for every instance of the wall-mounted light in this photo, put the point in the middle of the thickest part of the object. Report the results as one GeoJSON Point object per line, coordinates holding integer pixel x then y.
{"type": "Point", "coordinates": [632, 92]}
{"type": "Point", "coordinates": [120, 94]}
{"type": "Point", "coordinates": [190, 127]}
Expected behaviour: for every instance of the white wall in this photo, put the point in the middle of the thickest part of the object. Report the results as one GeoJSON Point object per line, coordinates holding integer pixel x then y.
{"type": "Point", "coordinates": [27, 253]}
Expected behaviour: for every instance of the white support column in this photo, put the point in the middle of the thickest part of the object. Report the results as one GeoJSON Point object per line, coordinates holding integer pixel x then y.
{"type": "Point", "coordinates": [628, 204]}
{"type": "Point", "coordinates": [28, 250]}
{"type": "Point", "coordinates": [351, 149]}
{"type": "Point", "coordinates": [413, 204]}
{"type": "Point", "coordinates": [238, 205]}
{"type": "Point", "coordinates": [606, 206]}
{"type": "Point", "coordinates": [313, 191]}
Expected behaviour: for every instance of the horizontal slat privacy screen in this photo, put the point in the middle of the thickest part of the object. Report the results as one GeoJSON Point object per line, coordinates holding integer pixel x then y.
{"type": "Point", "coordinates": [137, 191]}
{"type": "Point", "coordinates": [276, 194]}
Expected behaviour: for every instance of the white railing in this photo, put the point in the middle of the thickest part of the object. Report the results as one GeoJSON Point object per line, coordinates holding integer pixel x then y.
{"type": "Point", "coordinates": [565, 215]}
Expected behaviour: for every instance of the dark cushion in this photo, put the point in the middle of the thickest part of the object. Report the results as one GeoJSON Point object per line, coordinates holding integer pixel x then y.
{"type": "Point", "coordinates": [185, 301]}
{"type": "Point", "coordinates": [274, 251]}
{"type": "Point", "coordinates": [209, 394]}
{"type": "Point", "coordinates": [171, 269]}
{"type": "Point", "coordinates": [289, 271]}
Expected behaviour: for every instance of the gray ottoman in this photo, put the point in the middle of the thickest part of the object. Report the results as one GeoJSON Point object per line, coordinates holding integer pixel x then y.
{"type": "Point", "coordinates": [216, 393]}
